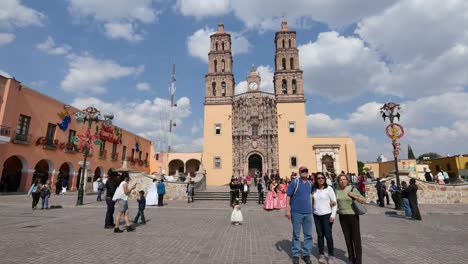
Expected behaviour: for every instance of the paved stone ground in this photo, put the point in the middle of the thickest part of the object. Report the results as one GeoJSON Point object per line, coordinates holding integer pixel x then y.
{"type": "Point", "coordinates": [201, 233]}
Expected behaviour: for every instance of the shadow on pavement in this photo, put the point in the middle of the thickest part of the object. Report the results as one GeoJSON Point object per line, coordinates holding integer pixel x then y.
{"type": "Point", "coordinates": [285, 245]}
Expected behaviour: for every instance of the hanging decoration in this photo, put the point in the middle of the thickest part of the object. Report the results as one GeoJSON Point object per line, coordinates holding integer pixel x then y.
{"type": "Point", "coordinates": [87, 140]}
{"type": "Point", "coordinates": [109, 133]}
{"type": "Point", "coordinates": [66, 120]}
{"type": "Point", "coordinates": [79, 116]}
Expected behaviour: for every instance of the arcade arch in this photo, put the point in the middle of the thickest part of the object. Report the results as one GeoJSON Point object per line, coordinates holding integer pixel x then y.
{"type": "Point", "coordinates": [11, 174]}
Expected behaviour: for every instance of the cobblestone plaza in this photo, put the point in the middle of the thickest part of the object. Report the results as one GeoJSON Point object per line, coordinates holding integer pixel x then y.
{"type": "Point", "coordinates": [201, 233]}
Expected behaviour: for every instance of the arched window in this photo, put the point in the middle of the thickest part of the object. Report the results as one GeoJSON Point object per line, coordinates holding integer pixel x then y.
{"type": "Point", "coordinates": [223, 89]}
{"type": "Point", "coordinates": [222, 45]}
{"type": "Point", "coordinates": [283, 63]}
{"type": "Point", "coordinates": [213, 86]}
{"type": "Point", "coordinates": [223, 64]}
{"type": "Point", "coordinates": [291, 63]}
{"type": "Point", "coordinates": [284, 87]}
{"type": "Point", "coordinates": [294, 87]}
{"type": "Point", "coordinates": [215, 66]}
{"type": "Point", "coordinates": [216, 46]}
{"type": "Point", "coordinates": [289, 43]}
{"type": "Point", "coordinates": [283, 44]}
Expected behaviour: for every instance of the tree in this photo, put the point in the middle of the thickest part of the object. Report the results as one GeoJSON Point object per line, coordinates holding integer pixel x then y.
{"type": "Point", "coordinates": [360, 166]}
{"type": "Point", "coordinates": [410, 153]}
{"type": "Point", "coordinates": [429, 155]}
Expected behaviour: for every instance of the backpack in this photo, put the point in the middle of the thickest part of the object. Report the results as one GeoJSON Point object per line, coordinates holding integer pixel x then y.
{"type": "Point", "coordinates": [296, 185]}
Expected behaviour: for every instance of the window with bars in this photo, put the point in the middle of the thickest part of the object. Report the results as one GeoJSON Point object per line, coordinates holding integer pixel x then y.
{"type": "Point", "coordinates": [293, 162]}
{"type": "Point", "coordinates": [292, 127]}
{"type": "Point", "coordinates": [23, 125]}
{"type": "Point", "coordinates": [217, 129]}
{"type": "Point", "coordinates": [71, 135]}
{"type": "Point", "coordinates": [217, 162]}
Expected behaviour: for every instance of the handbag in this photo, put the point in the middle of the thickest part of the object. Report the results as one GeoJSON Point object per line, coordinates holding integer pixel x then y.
{"type": "Point", "coordinates": [358, 207]}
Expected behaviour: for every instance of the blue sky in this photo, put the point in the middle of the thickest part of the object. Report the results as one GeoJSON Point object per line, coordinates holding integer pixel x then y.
{"type": "Point", "coordinates": [356, 55]}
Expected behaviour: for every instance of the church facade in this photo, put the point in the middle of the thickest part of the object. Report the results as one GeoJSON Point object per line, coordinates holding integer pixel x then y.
{"type": "Point", "coordinates": [257, 130]}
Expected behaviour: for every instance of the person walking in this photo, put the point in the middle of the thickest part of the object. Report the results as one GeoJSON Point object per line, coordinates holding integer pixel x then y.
{"type": "Point", "coordinates": [110, 186]}
{"type": "Point", "coordinates": [261, 191]}
{"type": "Point", "coordinates": [413, 199]}
{"type": "Point", "coordinates": [349, 220]}
{"type": "Point", "coordinates": [245, 192]}
{"type": "Point", "coordinates": [141, 208]}
{"type": "Point", "coordinates": [34, 191]}
{"type": "Point", "coordinates": [100, 189]}
{"type": "Point", "coordinates": [121, 197]}
{"type": "Point", "coordinates": [161, 192]}
{"type": "Point", "coordinates": [404, 195]}
{"type": "Point", "coordinates": [299, 211]}
{"type": "Point", "coordinates": [45, 195]}
{"type": "Point", "coordinates": [324, 206]}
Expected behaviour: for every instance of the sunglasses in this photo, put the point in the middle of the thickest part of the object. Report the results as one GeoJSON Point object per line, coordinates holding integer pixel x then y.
{"type": "Point", "coordinates": [320, 178]}
{"type": "Point", "coordinates": [302, 171]}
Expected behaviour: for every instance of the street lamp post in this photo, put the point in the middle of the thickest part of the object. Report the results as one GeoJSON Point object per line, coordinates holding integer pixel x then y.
{"type": "Point", "coordinates": [87, 140]}
{"type": "Point", "coordinates": [394, 131]}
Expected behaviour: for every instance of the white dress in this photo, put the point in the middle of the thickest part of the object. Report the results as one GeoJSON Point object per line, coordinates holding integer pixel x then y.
{"type": "Point", "coordinates": [152, 196]}
{"type": "Point", "coordinates": [236, 215]}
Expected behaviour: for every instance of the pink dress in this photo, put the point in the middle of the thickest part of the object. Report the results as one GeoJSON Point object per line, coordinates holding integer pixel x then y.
{"type": "Point", "coordinates": [281, 201]}
{"type": "Point", "coordinates": [271, 199]}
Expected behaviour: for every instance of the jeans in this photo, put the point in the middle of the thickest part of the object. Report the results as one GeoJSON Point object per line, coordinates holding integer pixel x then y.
{"type": "Point", "coordinates": [35, 197]}
{"type": "Point", "coordinates": [99, 195]}
{"type": "Point", "coordinates": [110, 211]}
{"type": "Point", "coordinates": [304, 220]}
{"type": "Point", "coordinates": [324, 229]}
{"type": "Point", "coordinates": [142, 213]}
{"type": "Point", "coordinates": [407, 208]}
{"type": "Point", "coordinates": [45, 201]}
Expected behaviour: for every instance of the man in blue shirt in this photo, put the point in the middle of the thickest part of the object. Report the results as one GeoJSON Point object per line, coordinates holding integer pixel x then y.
{"type": "Point", "coordinates": [299, 211]}
{"type": "Point", "coordinates": [161, 192]}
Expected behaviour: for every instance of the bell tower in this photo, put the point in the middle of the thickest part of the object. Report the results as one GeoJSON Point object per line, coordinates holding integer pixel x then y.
{"type": "Point", "coordinates": [290, 102]}
{"type": "Point", "coordinates": [288, 79]}
{"type": "Point", "coordinates": [219, 82]}
{"type": "Point", "coordinates": [219, 92]}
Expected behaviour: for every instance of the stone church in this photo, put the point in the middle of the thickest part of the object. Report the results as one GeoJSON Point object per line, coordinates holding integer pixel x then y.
{"type": "Point", "coordinates": [262, 131]}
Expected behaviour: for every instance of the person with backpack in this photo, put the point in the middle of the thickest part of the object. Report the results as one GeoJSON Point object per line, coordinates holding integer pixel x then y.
{"type": "Point", "coordinates": [45, 194]}
{"type": "Point", "coordinates": [299, 211]}
{"type": "Point", "coordinates": [34, 191]}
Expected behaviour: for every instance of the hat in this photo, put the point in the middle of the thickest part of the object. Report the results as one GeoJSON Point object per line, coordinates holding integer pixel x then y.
{"type": "Point", "coordinates": [301, 168]}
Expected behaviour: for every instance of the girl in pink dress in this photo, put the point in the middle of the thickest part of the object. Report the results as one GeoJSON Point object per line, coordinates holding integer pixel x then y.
{"type": "Point", "coordinates": [271, 198]}
{"type": "Point", "coordinates": [281, 201]}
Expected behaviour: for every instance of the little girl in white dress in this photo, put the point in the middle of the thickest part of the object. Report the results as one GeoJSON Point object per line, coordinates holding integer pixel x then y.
{"type": "Point", "coordinates": [236, 215]}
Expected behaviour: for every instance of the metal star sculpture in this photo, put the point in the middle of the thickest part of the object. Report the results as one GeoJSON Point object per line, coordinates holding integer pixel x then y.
{"type": "Point", "coordinates": [85, 140]}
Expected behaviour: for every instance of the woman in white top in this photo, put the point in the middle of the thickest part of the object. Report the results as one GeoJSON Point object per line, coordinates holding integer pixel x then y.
{"type": "Point", "coordinates": [324, 208]}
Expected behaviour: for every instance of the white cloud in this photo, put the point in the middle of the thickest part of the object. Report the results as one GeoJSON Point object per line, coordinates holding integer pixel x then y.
{"type": "Point", "coordinates": [122, 30]}
{"type": "Point", "coordinates": [6, 38]}
{"type": "Point", "coordinates": [200, 9]}
{"type": "Point", "coordinates": [148, 118]}
{"type": "Point", "coordinates": [339, 67]}
{"type": "Point", "coordinates": [87, 74]}
{"type": "Point", "coordinates": [49, 47]}
{"type": "Point", "coordinates": [266, 85]}
{"type": "Point", "coordinates": [143, 87]}
{"type": "Point", "coordinates": [14, 14]}
{"type": "Point", "coordinates": [435, 123]}
{"type": "Point", "coordinates": [198, 44]}
{"type": "Point", "coordinates": [120, 17]}
{"type": "Point", "coordinates": [5, 74]}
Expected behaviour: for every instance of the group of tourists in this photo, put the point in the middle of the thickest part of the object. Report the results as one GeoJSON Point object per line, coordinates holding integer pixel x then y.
{"type": "Point", "coordinates": [441, 177]}
{"type": "Point", "coordinates": [40, 191]}
{"type": "Point", "coordinates": [117, 191]}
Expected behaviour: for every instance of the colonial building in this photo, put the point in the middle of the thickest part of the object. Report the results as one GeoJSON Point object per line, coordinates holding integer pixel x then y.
{"type": "Point", "coordinates": [36, 140]}
{"type": "Point", "coordinates": [262, 131]}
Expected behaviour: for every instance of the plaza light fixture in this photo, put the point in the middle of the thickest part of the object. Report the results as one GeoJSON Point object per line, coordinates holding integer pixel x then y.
{"type": "Point", "coordinates": [394, 131]}
{"type": "Point", "coordinates": [86, 141]}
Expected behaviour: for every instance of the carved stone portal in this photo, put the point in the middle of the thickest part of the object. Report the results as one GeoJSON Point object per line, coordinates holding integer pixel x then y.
{"type": "Point", "coordinates": [255, 133]}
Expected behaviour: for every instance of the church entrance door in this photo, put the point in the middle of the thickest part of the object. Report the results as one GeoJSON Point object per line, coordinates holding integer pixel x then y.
{"type": "Point", "coordinates": [255, 164]}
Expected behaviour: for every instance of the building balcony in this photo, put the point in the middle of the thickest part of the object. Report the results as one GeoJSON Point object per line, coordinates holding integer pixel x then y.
{"type": "Point", "coordinates": [50, 143]}
{"type": "Point", "coordinates": [22, 139]}
{"type": "Point", "coordinates": [5, 134]}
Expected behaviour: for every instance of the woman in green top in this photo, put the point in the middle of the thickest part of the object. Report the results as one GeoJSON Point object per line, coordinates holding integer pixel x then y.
{"type": "Point", "coordinates": [349, 220]}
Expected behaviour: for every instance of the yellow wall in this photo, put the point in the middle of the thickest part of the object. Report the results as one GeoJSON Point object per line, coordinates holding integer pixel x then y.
{"type": "Point", "coordinates": [217, 145]}
{"type": "Point", "coordinates": [347, 154]}
{"type": "Point", "coordinates": [292, 144]}
{"type": "Point", "coordinates": [456, 164]}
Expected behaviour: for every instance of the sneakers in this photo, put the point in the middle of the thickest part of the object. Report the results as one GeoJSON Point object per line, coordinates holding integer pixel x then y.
{"type": "Point", "coordinates": [331, 260]}
{"type": "Point", "coordinates": [117, 230]}
{"type": "Point", "coordinates": [307, 259]}
{"type": "Point", "coordinates": [295, 260]}
{"type": "Point", "coordinates": [322, 259]}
